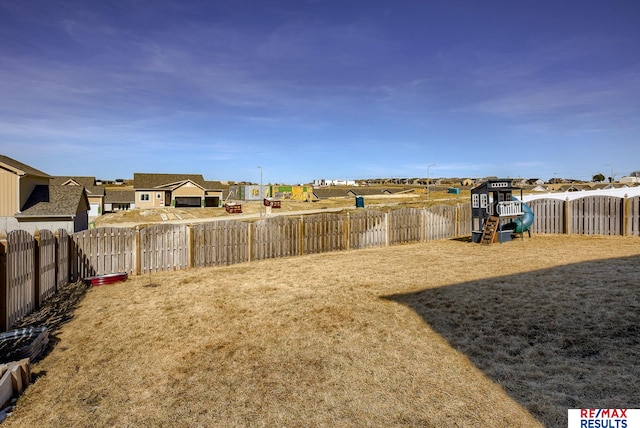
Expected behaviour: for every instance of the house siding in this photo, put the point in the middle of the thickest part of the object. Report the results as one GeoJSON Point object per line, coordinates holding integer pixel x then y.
{"type": "Point", "coordinates": [188, 190]}
{"type": "Point", "coordinates": [153, 201]}
{"type": "Point", "coordinates": [8, 193]}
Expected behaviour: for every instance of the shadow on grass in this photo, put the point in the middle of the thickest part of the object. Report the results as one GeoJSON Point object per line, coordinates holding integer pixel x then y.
{"type": "Point", "coordinates": [555, 339]}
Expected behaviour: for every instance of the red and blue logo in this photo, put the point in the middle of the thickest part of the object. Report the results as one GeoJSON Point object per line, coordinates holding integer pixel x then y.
{"type": "Point", "coordinates": [604, 418]}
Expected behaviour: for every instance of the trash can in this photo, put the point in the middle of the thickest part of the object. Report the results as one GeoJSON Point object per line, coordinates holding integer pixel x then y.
{"type": "Point", "coordinates": [359, 202]}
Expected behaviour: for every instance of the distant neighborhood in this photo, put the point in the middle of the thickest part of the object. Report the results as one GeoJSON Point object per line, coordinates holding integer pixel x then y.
{"type": "Point", "coordinates": [31, 199]}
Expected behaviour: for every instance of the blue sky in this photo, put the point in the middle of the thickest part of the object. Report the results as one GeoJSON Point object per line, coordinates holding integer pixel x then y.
{"type": "Point", "coordinates": [321, 89]}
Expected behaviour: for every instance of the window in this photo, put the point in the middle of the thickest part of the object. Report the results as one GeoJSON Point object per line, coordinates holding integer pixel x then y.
{"type": "Point", "coordinates": [144, 196]}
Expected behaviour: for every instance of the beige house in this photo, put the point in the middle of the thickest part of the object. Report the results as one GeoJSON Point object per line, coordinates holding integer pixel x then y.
{"type": "Point", "coordinates": [176, 190]}
{"type": "Point", "coordinates": [17, 182]}
{"type": "Point", "coordinates": [28, 200]}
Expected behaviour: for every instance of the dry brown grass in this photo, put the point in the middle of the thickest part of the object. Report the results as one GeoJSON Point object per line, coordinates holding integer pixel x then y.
{"type": "Point", "coordinates": [444, 333]}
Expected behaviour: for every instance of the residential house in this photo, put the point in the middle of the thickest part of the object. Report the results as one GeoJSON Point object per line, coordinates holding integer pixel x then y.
{"type": "Point", "coordinates": [28, 201]}
{"type": "Point", "coordinates": [176, 190]}
{"type": "Point", "coordinates": [55, 207]}
{"type": "Point", "coordinates": [629, 180]}
{"type": "Point", "coordinates": [539, 188]}
{"type": "Point", "coordinates": [95, 193]}
{"type": "Point", "coordinates": [119, 200]}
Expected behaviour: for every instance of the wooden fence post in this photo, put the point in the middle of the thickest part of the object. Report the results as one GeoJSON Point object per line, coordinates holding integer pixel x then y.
{"type": "Point", "coordinates": [625, 216]}
{"type": "Point", "coordinates": [136, 251]}
{"type": "Point", "coordinates": [249, 242]}
{"type": "Point", "coordinates": [4, 289]}
{"type": "Point", "coordinates": [567, 217]}
{"type": "Point", "coordinates": [347, 233]}
{"type": "Point", "coordinates": [301, 236]}
{"type": "Point", "coordinates": [36, 269]}
{"type": "Point", "coordinates": [190, 247]}
{"type": "Point", "coordinates": [56, 255]}
{"type": "Point", "coordinates": [387, 232]}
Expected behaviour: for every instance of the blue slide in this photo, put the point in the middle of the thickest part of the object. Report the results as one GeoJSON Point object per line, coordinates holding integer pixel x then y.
{"type": "Point", "coordinates": [524, 223]}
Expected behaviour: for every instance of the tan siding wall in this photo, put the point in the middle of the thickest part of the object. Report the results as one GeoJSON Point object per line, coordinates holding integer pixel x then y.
{"type": "Point", "coordinates": [188, 191]}
{"type": "Point", "coordinates": [153, 201]}
{"type": "Point", "coordinates": [8, 193]}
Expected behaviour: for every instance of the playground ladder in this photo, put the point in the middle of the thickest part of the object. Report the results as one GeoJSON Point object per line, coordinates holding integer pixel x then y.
{"type": "Point", "coordinates": [489, 231]}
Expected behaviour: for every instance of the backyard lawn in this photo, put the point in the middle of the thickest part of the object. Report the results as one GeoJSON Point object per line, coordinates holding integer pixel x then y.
{"type": "Point", "coordinates": [442, 333]}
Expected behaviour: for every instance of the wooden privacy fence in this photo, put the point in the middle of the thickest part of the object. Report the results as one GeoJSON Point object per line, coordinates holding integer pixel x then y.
{"type": "Point", "coordinates": [591, 215]}
{"type": "Point", "coordinates": [32, 268]}
{"type": "Point", "coordinates": [219, 243]}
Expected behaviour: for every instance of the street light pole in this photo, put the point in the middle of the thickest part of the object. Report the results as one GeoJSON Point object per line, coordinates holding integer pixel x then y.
{"type": "Point", "coordinates": [260, 191]}
{"type": "Point", "coordinates": [429, 177]}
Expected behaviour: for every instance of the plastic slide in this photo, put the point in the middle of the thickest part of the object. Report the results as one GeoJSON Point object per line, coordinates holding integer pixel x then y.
{"type": "Point", "coordinates": [524, 223]}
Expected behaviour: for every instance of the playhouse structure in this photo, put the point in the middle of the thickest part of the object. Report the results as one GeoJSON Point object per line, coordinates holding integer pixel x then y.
{"type": "Point", "coordinates": [496, 214]}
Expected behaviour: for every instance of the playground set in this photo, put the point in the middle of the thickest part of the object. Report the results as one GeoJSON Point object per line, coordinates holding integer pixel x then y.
{"type": "Point", "coordinates": [496, 214]}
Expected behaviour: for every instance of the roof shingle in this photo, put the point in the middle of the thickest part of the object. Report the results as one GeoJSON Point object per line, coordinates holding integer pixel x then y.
{"type": "Point", "coordinates": [54, 201]}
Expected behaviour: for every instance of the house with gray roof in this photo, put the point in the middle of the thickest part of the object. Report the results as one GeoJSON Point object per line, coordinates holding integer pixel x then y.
{"type": "Point", "coordinates": [29, 201]}
{"type": "Point", "coordinates": [55, 207]}
{"type": "Point", "coordinates": [175, 190]}
{"type": "Point", "coordinates": [95, 193]}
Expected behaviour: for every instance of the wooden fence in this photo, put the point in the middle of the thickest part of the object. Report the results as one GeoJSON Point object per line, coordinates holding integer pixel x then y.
{"type": "Point", "coordinates": [592, 215]}
{"type": "Point", "coordinates": [32, 268]}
